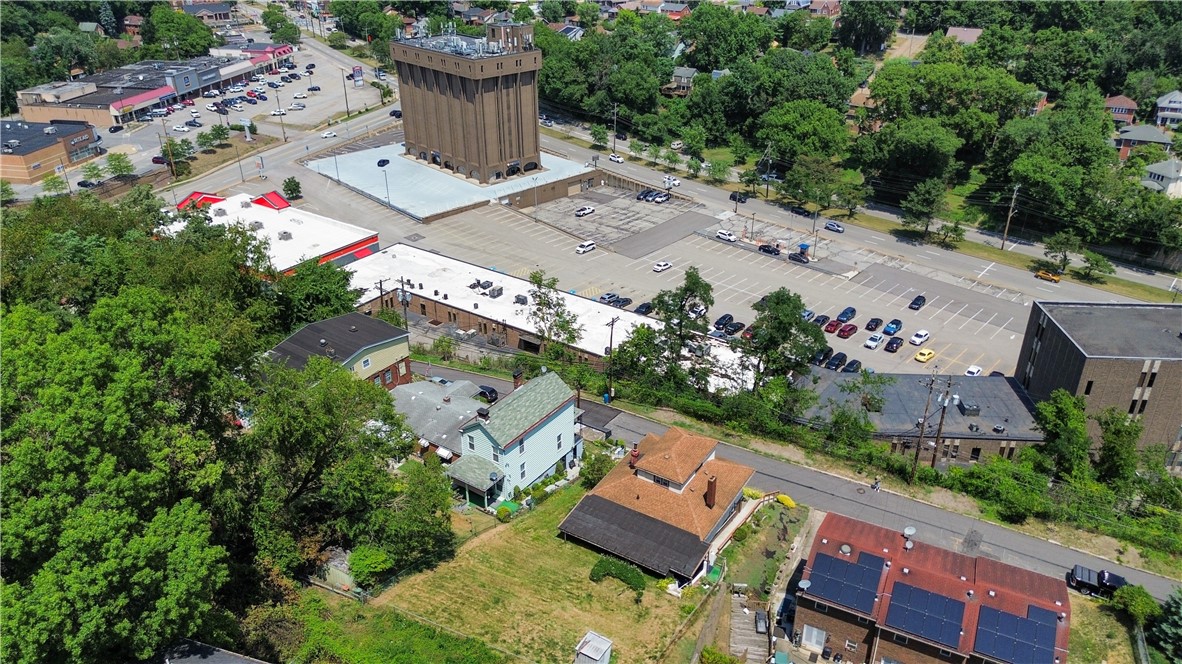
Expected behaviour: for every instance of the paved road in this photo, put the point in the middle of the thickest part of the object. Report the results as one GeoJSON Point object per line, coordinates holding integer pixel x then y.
{"type": "Point", "coordinates": [854, 499]}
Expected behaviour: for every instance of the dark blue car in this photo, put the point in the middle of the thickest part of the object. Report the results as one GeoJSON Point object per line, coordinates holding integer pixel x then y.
{"type": "Point", "coordinates": [892, 327]}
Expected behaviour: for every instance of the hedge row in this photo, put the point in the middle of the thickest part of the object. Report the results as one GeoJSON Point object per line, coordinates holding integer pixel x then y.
{"type": "Point", "coordinates": [628, 573]}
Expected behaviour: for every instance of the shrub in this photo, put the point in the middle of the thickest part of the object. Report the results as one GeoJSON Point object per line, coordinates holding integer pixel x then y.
{"type": "Point", "coordinates": [629, 574]}
{"type": "Point", "coordinates": [752, 494]}
{"type": "Point", "coordinates": [742, 533]}
{"type": "Point", "coordinates": [786, 501]}
{"type": "Point", "coordinates": [369, 565]}
{"type": "Point", "coordinates": [503, 514]}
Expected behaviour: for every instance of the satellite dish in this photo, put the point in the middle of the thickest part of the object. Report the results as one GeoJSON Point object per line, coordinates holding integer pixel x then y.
{"type": "Point", "coordinates": [845, 549]}
{"type": "Point", "coordinates": [804, 585]}
{"type": "Point", "coordinates": [909, 532]}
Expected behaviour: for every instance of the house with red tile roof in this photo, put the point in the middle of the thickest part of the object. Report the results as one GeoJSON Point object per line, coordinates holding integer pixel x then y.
{"type": "Point", "coordinates": [1122, 109]}
{"type": "Point", "coordinates": [826, 8]}
{"type": "Point", "coordinates": [663, 506]}
{"type": "Point", "coordinates": [869, 593]}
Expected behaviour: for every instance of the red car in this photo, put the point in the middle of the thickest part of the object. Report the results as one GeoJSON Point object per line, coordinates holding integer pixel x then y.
{"type": "Point", "coordinates": [847, 331]}
{"type": "Point", "coordinates": [187, 102]}
{"type": "Point", "coordinates": [833, 326]}
{"type": "Point", "coordinates": [251, 93]}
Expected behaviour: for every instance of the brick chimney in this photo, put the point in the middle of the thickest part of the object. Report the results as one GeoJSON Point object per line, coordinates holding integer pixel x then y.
{"type": "Point", "coordinates": [634, 456]}
{"type": "Point", "coordinates": [711, 491]}
{"type": "Point", "coordinates": [518, 379]}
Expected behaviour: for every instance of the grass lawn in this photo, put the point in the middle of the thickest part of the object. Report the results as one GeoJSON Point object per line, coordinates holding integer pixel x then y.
{"type": "Point", "coordinates": [756, 560]}
{"type": "Point", "coordinates": [724, 153]}
{"type": "Point", "coordinates": [522, 589]}
{"type": "Point", "coordinates": [1097, 635]}
{"type": "Point", "coordinates": [204, 162]}
{"type": "Point", "coordinates": [1111, 284]}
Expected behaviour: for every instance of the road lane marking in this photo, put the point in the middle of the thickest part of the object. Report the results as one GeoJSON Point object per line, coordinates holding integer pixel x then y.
{"type": "Point", "coordinates": [987, 268]}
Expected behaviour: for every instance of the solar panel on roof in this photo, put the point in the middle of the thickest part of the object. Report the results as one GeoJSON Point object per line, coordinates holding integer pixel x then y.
{"type": "Point", "coordinates": [1014, 639]}
{"type": "Point", "coordinates": [926, 614]}
{"type": "Point", "coordinates": [850, 585]}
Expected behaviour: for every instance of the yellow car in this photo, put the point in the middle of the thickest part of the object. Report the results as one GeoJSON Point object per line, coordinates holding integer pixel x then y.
{"type": "Point", "coordinates": [1047, 275]}
{"type": "Point", "coordinates": [925, 355]}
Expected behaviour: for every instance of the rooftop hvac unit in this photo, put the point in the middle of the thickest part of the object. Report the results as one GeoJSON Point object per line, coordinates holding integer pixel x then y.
{"type": "Point", "coordinates": [520, 299]}
{"type": "Point", "coordinates": [496, 291]}
{"type": "Point", "coordinates": [219, 212]}
{"type": "Point", "coordinates": [245, 204]}
{"type": "Point", "coordinates": [284, 235]}
{"type": "Point", "coordinates": [256, 225]}
{"type": "Point", "coordinates": [969, 409]}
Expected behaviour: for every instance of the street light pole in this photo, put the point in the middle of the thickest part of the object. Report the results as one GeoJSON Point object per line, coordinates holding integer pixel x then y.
{"type": "Point", "coordinates": [535, 180]}
{"type": "Point", "coordinates": [282, 126]}
{"type": "Point", "coordinates": [345, 87]}
{"type": "Point", "coordinates": [615, 131]}
{"type": "Point", "coordinates": [387, 180]}
{"type": "Point", "coordinates": [1005, 234]}
{"type": "Point", "coordinates": [238, 158]}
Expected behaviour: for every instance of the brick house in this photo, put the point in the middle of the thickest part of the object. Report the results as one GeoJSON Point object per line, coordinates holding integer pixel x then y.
{"type": "Point", "coordinates": [870, 594]}
{"type": "Point", "coordinates": [1131, 137]}
{"type": "Point", "coordinates": [662, 507]}
{"type": "Point", "coordinates": [133, 24]}
{"type": "Point", "coordinates": [1169, 109]}
{"type": "Point", "coordinates": [1122, 109]}
{"type": "Point", "coordinates": [826, 8]}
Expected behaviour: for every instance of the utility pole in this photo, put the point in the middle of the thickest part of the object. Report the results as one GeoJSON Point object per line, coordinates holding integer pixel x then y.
{"type": "Point", "coordinates": [922, 424]}
{"type": "Point", "coordinates": [611, 354]}
{"type": "Point", "coordinates": [279, 105]}
{"type": "Point", "coordinates": [345, 87]}
{"type": "Point", "coordinates": [615, 108]}
{"type": "Point", "coordinates": [1006, 233]}
{"type": "Point", "coordinates": [940, 427]}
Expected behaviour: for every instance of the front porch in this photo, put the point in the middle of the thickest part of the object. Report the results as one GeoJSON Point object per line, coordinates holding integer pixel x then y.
{"type": "Point", "coordinates": [479, 480]}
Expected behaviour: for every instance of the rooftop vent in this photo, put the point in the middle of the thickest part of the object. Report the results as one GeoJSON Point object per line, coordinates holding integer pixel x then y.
{"type": "Point", "coordinates": [254, 225]}
{"type": "Point", "coordinates": [284, 235]}
{"type": "Point", "coordinates": [245, 204]}
{"type": "Point", "coordinates": [219, 212]}
{"type": "Point", "coordinates": [352, 328]}
{"type": "Point", "coordinates": [845, 549]}
{"type": "Point", "coordinates": [969, 409]}
{"type": "Point", "coordinates": [323, 342]}
{"type": "Point", "coordinates": [997, 428]}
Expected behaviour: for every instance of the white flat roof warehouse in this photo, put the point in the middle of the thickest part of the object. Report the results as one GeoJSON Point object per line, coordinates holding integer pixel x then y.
{"type": "Point", "coordinates": [452, 277]}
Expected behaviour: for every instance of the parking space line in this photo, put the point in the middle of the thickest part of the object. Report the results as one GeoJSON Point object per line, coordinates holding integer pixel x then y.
{"type": "Point", "coordinates": [937, 313]}
{"type": "Point", "coordinates": [985, 323]}
{"type": "Point", "coordinates": [1002, 327]}
{"type": "Point", "coordinates": [969, 319]}
{"type": "Point", "coordinates": [962, 308]}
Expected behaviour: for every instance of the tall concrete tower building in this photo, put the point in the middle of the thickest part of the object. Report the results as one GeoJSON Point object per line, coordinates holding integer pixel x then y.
{"type": "Point", "coordinates": [471, 105]}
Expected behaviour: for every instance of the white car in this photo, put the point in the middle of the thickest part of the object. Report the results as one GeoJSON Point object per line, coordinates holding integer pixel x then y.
{"type": "Point", "coordinates": [973, 370]}
{"type": "Point", "coordinates": [726, 235]}
{"type": "Point", "coordinates": [671, 181]}
{"type": "Point", "coordinates": [238, 107]}
{"type": "Point", "coordinates": [584, 211]}
{"type": "Point", "coordinates": [194, 112]}
{"type": "Point", "coordinates": [920, 337]}
{"type": "Point", "coordinates": [279, 111]}
{"type": "Point", "coordinates": [585, 247]}
{"type": "Point", "coordinates": [280, 83]}
{"type": "Point", "coordinates": [329, 134]}
{"type": "Point", "coordinates": [180, 128]}
{"type": "Point", "coordinates": [662, 266]}
{"type": "Point", "coordinates": [210, 107]}
{"type": "Point", "coordinates": [259, 89]}
{"type": "Point", "coordinates": [874, 341]}
{"type": "Point", "coordinates": [300, 95]}
{"type": "Point", "coordinates": [615, 158]}
{"type": "Point", "coordinates": [296, 107]}
{"type": "Point", "coordinates": [236, 89]}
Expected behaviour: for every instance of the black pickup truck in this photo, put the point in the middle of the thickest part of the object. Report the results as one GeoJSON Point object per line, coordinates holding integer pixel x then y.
{"type": "Point", "coordinates": [1090, 582]}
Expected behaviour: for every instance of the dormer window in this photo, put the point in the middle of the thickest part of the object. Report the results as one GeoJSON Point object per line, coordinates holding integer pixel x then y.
{"type": "Point", "coordinates": [661, 481]}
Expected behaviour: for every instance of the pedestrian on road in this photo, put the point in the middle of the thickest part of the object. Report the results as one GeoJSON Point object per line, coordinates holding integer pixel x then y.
{"type": "Point", "coordinates": [877, 486]}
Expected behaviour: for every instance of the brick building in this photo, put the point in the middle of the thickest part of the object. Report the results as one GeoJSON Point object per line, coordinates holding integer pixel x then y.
{"type": "Point", "coordinates": [870, 594]}
{"type": "Point", "coordinates": [471, 105]}
{"type": "Point", "coordinates": [33, 150]}
{"type": "Point", "coordinates": [1127, 356]}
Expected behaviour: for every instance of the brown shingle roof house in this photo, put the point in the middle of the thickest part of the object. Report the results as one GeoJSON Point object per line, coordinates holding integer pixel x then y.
{"type": "Point", "coordinates": [663, 505]}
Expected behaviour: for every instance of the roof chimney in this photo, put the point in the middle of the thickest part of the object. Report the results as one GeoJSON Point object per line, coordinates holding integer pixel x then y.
{"type": "Point", "coordinates": [711, 491]}
{"type": "Point", "coordinates": [482, 413]}
{"type": "Point", "coordinates": [447, 398]}
{"type": "Point", "coordinates": [518, 379]}
{"type": "Point", "coordinates": [634, 456]}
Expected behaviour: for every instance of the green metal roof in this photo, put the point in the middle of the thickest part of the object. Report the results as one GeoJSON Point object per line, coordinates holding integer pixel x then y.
{"type": "Point", "coordinates": [524, 407]}
{"type": "Point", "coordinates": [475, 471]}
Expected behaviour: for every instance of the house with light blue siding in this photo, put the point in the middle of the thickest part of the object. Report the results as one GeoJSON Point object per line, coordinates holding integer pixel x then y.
{"type": "Point", "coordinates": [491, 450]}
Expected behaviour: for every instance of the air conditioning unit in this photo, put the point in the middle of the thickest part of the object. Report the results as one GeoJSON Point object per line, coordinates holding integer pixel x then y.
{"type": "Point", "coordinates": [245, 204]}
{"type": "Point", "coordinates": [219, 212]}
{"type": "Point", "coordinates": [256, 225]}
{"type": "Point", "coordinates": [284, 235]}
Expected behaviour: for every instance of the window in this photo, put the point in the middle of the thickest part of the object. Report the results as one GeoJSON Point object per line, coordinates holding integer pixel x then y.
{"type": "Point", "coordinates": [1132, 406]}
{"type": "Point", "coordinates": [365, 363]}
{"type": "Point", "coordinates": [899, 638]}
{"type": "Point", "coordinates": [851, 646]}
{"type": "Point", "coordinates": [559, 441]}
{"type": "Point", "coordinates": [813, 638]}
{"type": "Point", "coordinates": [821, 608]}
{"type": "Point", "coordinates": [863, 621]}
{"type": "Point", "coordinates": [521, 449]}
{"type": "Point", "coordinates": [1152, 379]}
{"type": "Point", "coordinates": [523, 471]}
{"type": "Point", "coordinates": [946, 653]}
{"type": "Point", "coordinates": [661, 481]}
{"type": "Point", "coordinates": [496, 455]}
{"type": "Point", "coordinates": [388, 376]}
{"type": "Point", "coordinates": [377, 380]}
{"type": "Point", "coordinates": [1088, 388]}
{"type": "Point", "coordinates": [1141, 380]}
{"type": "Point", "coordinates": [1141, 408]}
{"type": "Point", "coordinates": [471, 442]}
{"type": "Point", "coordinates": [975, 454]}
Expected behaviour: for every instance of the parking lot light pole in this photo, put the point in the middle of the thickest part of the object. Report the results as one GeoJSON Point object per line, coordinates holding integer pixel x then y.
{"type": "Point", "coordinates": [282, 126]}
{"type": "Point", "coordinates": [345, 87]}
{"type": "Point", "coordinates": [387, 180]}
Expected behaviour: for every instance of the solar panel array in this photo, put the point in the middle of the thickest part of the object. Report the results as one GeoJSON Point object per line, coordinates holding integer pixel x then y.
{"type": "Point", "coordinates": [852, 585]}
{"type": "Point", "coordinates": [1010, 638]}
{"type": "Point", "coordinates": [926, 614]}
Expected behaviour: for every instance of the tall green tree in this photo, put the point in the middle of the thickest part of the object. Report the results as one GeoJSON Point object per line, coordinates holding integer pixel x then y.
{"type": "Point", "coordinates": [177, 34]}
{"type": "Point", "coordinates": [315, 291]}
{"type": "Point", "coordinates": [865, 26]}
{"type": "Point", "coordinates": [107, 19]}
{"type": "Point", "coordinates": [923, 204]}
{"type": "Point", "coordinates": [1064, 425]}
{"type": "Point", "coordinates": [7, 193]}
{"type": "Point", "coordinates": [556, 325]}
{"type": "Point", "coordinates": [722, 37]}
{"type": "Point", "coordinates": [1117, 462]}
{"type": "Point", "coordinates": [674, 307]}
{"type": "Point", "coordinates": [119, 165]}
{"type": "Point", "coordinates": [93, 171]}
{"type": "Point", "coordinates": [1059, 248]}
{"type": "Point", "coordinates": [782, 341]}
{"type": "Point", "coordinates": [1165, 633]}
{"type": "Point", "coordinates": [908, 150]}
{"type": "Point", "coordinates": [803, 127]}
{"type": "Point", "coordinates": [1094, 266]}
{"type": "Point", "coordinates": [54, 184]}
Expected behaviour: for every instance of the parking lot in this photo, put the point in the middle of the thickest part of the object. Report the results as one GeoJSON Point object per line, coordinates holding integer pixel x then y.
{"type": "Point", "coordinates": [968, 327]}
{"type": "Point", "coordinates": [320, 105]}
{"type": "Point", "coordinates": [618, 215]}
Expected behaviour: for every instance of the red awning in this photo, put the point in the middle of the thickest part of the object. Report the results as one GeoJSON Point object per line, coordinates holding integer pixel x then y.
{"type": "Point", "coordinates": [272, 200]}
{"type": "Point", "coordinates": [199, 199]}
{"type": "Point", "coordinates": [362, 253]}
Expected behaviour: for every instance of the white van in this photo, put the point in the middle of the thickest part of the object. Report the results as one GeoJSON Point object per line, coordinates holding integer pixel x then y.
{"type": "Point", "coordinates": [585, 247]}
